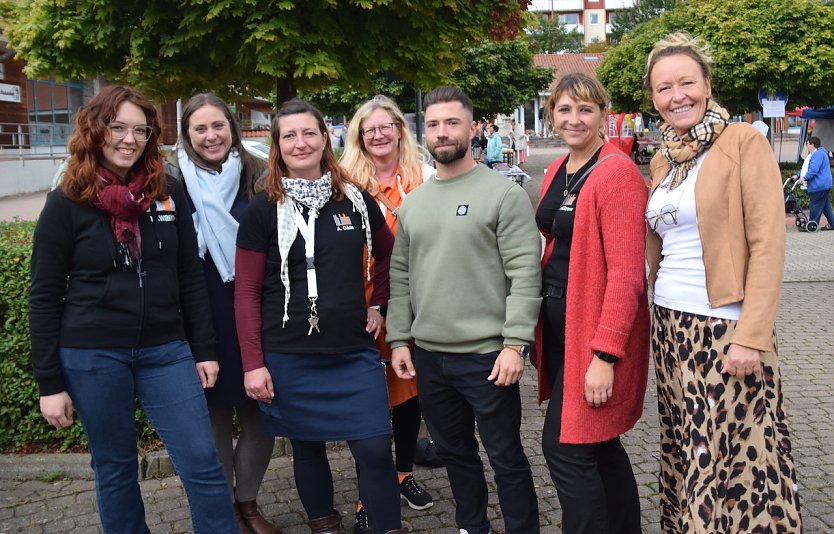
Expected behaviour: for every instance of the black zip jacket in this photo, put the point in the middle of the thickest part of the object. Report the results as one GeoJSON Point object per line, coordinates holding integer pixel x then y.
{"type": "Point", "coordinates": [80, 299]}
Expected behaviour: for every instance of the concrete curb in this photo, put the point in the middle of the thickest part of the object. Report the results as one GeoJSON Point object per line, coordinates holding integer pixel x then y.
{"type": "Point", "coordinates": [76, 466]}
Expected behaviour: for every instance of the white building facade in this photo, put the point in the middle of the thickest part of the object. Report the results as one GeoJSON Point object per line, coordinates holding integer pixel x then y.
{"type": "Point", "coordinates": [591, 18]}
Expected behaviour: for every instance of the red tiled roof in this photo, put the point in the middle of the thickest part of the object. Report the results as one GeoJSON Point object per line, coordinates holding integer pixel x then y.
{"type": "Point", "coordinates": [565, 63]}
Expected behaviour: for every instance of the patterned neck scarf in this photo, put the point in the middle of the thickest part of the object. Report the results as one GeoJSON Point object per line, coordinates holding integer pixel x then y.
{"type": "Point", "coordinates": [124, 203]}
{"type": "Point", "coordinates": [682, 151]}
{"type": "Point", "coordinates": [313, 194]}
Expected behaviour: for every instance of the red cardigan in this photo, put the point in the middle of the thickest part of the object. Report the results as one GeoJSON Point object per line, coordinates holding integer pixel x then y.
{"type": "Point", "coordinates": [607, 304]}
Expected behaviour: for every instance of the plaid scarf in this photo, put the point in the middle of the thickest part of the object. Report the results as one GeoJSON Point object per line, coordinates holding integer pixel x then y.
{"type": "Point", "coordinates": [124, 203]}
{"type": "Point", "coordinates": [682, 151]}
{"type": "Point", "coordinates": [313, 194]}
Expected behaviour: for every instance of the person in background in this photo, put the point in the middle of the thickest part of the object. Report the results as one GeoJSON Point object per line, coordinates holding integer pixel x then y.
{"type": "Point", "coordinates": [494, 151]}
{"type": "Point", "coordinates": [118, 311]}
{"type": "Point", "coordinates": [220, 176]}
{"type": "Point", "coordinates": [306, 335]}
{"type": "Point", "coordinates": [817, 177]}
{"type": "Point", "coordinates": [465, 288]}
{"type": "Point", "coordinates": [715, 249]}
{"type": "Point", "coordinates": [381, 157]}
{"type": "Point", "coordinates": [593, 336]}
{"type": "Point", "coordinates": [519, 142]}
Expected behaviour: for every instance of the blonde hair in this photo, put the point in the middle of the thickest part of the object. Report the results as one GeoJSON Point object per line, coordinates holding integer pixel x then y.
{"type": "Point", "coordinates": [679, 43]}
{"type": "Point", "coordinates": [578, 86]}
{"type": "Point", "coordinates": [358, 163]}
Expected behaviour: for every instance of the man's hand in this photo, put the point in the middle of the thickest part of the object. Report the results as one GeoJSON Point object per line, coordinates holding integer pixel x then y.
{"type": "Point", "coordinates": [258, 385]}
{"type": "Point", "coordinates": [599, 382]}
{"type": "Point", "coordinates": [741, 361]}
{"type": "Point", "coordinates": [401, 363]}
{"type": "Point", "coordinates": [57, 409]}
{"type": "Point", "coordinates": [508, 368]}
{"type": "Point", "coordinates": [207, 371]}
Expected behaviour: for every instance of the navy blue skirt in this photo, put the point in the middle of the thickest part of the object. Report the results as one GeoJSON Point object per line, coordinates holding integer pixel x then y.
{"type": "Point", "coordinates": [327, 397]}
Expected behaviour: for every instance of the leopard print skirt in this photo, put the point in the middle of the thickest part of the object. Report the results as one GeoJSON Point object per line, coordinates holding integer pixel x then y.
{"type": "Point", "coordinates": [725, 461]}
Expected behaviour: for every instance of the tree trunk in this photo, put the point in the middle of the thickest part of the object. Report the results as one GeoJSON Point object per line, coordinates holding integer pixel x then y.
{"type": "Point", "coordinates": [285, 90]}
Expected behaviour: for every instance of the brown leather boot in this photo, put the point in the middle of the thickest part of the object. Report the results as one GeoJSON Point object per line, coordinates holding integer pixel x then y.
{"type": "Point", "coordinates": [240, 523]}
{"type": "Point", "coordinates": [331, 524]}
{"type": "Point", "coordinates": [254, 520]}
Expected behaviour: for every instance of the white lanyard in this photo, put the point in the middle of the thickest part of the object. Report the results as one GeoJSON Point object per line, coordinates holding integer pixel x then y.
{"type": "Point", "coordinates": [307, 229]}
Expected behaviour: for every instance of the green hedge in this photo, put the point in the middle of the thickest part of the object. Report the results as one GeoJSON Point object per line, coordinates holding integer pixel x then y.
{"type": "Point", "coordinates": [21, 426]}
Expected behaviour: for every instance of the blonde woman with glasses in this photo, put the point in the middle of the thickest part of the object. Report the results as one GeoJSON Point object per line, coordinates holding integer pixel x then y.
{"type": "Point", "coordinates": [381, 156]}
{"type": "Point", "coordinates": [716, 250]}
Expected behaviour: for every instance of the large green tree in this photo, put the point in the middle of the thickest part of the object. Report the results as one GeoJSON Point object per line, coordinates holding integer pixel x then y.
{"type": "Point", "coordinates": [500, 76]}
{"type": "Point", "coordinates": [547, 36]}
{"type": "Point", "coordinates": [252, 47]}
{"type": "Point", "coordinates": [755, 44]}
{"type": "Point", "coordinates": [644, 10]}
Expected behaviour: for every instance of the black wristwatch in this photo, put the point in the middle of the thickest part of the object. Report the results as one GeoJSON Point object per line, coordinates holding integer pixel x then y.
{"type": "Point", "coordinates": [522, 350]}
{"type": "Point", "coordinates": [607, 358]}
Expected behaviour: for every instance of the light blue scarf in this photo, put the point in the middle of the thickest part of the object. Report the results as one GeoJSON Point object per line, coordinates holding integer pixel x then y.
{"type": "Point", "coordinates": [213, 194]}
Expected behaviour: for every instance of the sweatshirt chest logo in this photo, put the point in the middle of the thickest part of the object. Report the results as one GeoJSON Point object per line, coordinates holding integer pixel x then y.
{"type": "Point", "coordinates": [463, 210]}
{"type": "Point", "coordinates": [343, 222]}
{"type": "Point", "coordinates": [166, 210]}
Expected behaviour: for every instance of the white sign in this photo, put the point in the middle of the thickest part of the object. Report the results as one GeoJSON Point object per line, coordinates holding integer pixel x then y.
{"type": "Point", "coordinates": [773, 108]}
{"type": "Point", "coordinates": [9, 93]}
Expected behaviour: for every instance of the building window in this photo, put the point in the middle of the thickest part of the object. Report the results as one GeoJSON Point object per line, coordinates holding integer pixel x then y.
{"type": "Point", "coordinates": [52, 106]}
{"type": "Point", "coordinates": [569, 18]}
{"type": "Point", "coordinates": [594, 19]}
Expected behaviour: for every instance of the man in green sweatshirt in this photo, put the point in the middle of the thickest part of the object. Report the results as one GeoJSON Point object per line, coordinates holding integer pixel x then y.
{"type": "Point", "coordinates": [465, 286]}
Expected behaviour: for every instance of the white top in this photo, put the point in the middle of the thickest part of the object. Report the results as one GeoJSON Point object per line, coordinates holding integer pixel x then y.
{"type": "Point", "coordinates": [681, 279]}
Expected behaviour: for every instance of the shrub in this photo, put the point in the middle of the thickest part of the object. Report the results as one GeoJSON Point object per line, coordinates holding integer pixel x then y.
{"type": "Point", "coordinates": [21, 426]}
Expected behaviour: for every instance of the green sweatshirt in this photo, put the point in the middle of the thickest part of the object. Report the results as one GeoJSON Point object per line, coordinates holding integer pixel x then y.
{"type": "Point", "coordinates": [465, 274]}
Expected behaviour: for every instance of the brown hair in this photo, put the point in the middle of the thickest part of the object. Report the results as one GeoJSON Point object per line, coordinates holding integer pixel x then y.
{"type": "Point", "coordinates": [277, 167]}
{"type": "Point", "coordinates": [578, 86]}
{"type": "Point", "coordinates": [447, 93]}
{"type": "Point", "coordinates": [251, 168]}
{"type": "Point", "coordinates": [80, 183]}
{"type": "Point", "coordinates": [674, 44]}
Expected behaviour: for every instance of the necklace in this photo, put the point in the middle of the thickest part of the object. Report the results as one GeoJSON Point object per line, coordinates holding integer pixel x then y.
{"type": "Point", "coordinates": [569, 181]}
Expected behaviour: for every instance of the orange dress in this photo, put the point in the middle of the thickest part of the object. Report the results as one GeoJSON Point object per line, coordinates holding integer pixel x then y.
{"type": "Point", "coordinates": [399, 390]}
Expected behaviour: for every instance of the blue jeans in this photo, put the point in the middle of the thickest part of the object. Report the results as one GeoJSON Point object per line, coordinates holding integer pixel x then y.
{"type": "Point", "coordinates": [103, 385]}
{"type": "Point", "coordinates": [454, 394]}
{"type": "Point", "coordinates": [821, 204]}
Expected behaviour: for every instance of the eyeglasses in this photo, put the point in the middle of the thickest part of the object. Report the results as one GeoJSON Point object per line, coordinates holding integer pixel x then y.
{"type": "Point", "coordinates": [384, 129]}
{"type": "Point", "coordinates": [140, 133]}
{"type": "Point", "coordinates": [668, 214]}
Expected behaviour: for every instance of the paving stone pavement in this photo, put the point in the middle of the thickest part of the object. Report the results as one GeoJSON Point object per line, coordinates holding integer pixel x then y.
{"type": "Point", "coordinates": [805, 346]}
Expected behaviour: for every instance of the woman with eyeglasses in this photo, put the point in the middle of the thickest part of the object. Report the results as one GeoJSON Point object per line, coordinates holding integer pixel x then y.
{"type": "Point", "coordinates": [715, 250]}
{"type": "Point", "coordinates": [307, 342]}
{"type": "Point", "coordinates": [592, 339]}
{"type": "Point", "coordinates": [118, 311]}
{"type": "Point", "coordinates": [381, 156]}
{"type": "Point", "coordinates": [219, 176]}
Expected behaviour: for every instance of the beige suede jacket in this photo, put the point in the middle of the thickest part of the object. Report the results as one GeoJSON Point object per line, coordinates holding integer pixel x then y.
{"type": "Point", "coordinates": [741, 221]}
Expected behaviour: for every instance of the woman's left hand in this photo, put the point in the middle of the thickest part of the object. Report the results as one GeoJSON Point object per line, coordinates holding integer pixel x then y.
{"type": "Point", "coordinates": [374, 322]}
{"type": "Point", "coordinates": [599, 382]}
{"type": "Point", "coordinates": [207, 371]}
{"type": "Point", "coordinates": [741, 361]}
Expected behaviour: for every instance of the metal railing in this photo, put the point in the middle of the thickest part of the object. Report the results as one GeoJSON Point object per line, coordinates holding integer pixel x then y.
{"type": "Point", "coordinates": [35, 140]}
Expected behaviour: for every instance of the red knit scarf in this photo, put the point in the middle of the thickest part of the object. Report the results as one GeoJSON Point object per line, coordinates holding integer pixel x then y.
{"type": "Point", "coordinates": [124, 203]}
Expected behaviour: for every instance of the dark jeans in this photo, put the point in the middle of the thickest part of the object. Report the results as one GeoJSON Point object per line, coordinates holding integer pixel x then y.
{"type": "Point", "coordinates": [454, 395]}
{"type": "Point", "coordinates": [103, 385]}
{"type": "Point", "coordinates": [821, 204]}
{"type": "Point", "coordinates": [594, 481]}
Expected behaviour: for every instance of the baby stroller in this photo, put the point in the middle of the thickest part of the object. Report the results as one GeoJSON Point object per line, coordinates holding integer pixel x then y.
{"type": "Point", "coordinates": [793, 206]}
